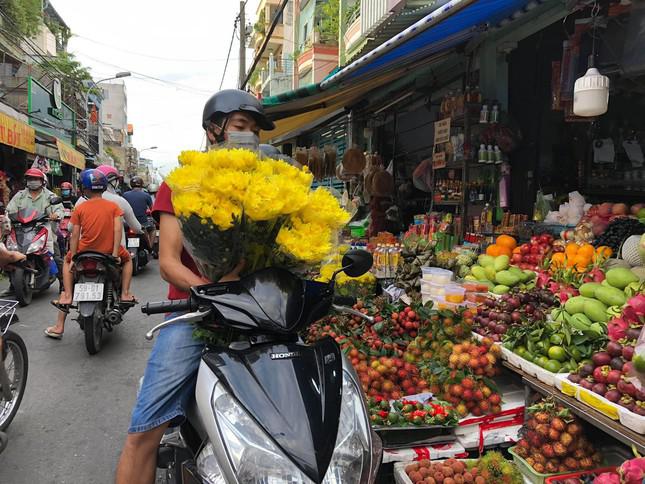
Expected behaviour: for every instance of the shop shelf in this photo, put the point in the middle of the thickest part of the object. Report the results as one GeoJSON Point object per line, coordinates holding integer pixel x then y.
{"type": "Point", "coordinates": [406, 437]}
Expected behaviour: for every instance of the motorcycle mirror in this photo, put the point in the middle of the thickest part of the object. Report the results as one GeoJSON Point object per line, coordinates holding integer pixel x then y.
{"type": "Point", "coordinates": [357, 262]}
{"type": "Point", "coordinates": [55, 200]}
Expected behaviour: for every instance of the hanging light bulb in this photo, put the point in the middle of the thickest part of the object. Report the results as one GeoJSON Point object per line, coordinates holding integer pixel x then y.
{"type": "Point", "coordinates": [591, 91]}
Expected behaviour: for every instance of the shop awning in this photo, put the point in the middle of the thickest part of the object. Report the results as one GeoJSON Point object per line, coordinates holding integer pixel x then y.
{"type": "Point", "coordinates": [69, 155]}
{"type": "Point", "coordinates": [422, 43]}
{"type": "Point", "coordinates": [17, 134]}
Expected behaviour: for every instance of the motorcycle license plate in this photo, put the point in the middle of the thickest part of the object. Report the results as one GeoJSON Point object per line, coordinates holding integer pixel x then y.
{"type": "Point", "coordinates": [157, 233]}
{"type": "Point", "coordinates": [88, 291]}
{"type": "Point", "coordinates": [133, 242]}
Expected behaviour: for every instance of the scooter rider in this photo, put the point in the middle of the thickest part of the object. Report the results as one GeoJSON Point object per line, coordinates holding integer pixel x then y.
{"type": "Point", "coordinates": [67, 194]}
{"type": "Point", "coordinates": [37, 197]}
{"type": "Point", "coordinates": [141, 203]}
{"type": "Point", "coordinates": [232, 118]}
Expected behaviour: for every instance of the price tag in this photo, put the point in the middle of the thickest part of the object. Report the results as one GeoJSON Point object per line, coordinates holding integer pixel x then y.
{"type": "Point", "coordinates": [442, 131]}
{"type": "Point", "coordinates": [438, 160]}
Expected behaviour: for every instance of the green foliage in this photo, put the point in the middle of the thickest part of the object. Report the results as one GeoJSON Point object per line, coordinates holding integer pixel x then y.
{"type": "Point", "coordinates": [75, 74]}
{"type": "Point", "coordinates": [329, 21]}
{"type": "Point", "coordinates": [351, 12]}
{"type": "Point", "coordinates": [260, 25]}
{"type": "Point", "coordinates": [110, 152]}
{"type": "Point", "coordinates": [61, 33]}
{"type": "Point", "coordinates": [26, 15]}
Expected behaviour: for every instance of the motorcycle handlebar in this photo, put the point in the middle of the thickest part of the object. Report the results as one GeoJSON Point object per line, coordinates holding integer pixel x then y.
{"type": "Point", "coordinates": [344, 301]}
{"type": "Point", "coordinates": [167, 306]}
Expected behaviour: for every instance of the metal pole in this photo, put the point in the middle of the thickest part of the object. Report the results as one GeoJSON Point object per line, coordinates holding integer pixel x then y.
{"type": "Point", "coordinates": [242, 76]}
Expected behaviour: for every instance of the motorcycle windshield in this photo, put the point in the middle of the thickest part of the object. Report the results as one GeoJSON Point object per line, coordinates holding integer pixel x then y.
{"type": "Point", "coordinates": [271, 299]}
{"type": "Point", "coordinates": [26, 215]}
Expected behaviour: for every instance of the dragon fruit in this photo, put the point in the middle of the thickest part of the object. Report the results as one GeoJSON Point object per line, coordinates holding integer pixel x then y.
{"type": "Point", "coordinates": [607, 478]}
{"type": "Point", "coordinates": [617, 329]}
{"type": "Point", "coordinates": [632, 471]}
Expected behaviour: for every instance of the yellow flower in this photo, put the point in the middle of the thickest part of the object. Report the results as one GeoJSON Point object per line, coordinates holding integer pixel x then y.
{"type": "Point", "coordinates": [310, 243]}
{"type": "Point", "coordinates": [323, 208]}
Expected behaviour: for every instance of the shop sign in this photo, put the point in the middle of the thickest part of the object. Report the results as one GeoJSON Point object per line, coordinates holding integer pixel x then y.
{"type": "Point", "coordinates": [69, 155]}
{"type": "Point", "coordinates": [439, 160]}
{"type": "Point", "coordinates": [17, 134]}
{"type": "Point", "coordinates": [442, 131]}
{"type": "Point", "coordinates": [48, 113]}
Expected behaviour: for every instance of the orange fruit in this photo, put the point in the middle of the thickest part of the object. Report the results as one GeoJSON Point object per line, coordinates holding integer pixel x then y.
{"type": "Point", "coordinates": [517, 250]}
{"type": "Point", "coordinates": [504, 251]}
{"type": "Point", "coordinates": [571, 249]}
{"type": "Point", "coordinates": [581, 262]}
{"type": "Point", "coordinates": [587, 250]}
{"type": "Point", "coordinates": [604, 251]}
{"type": "Point", "coordinates": [558, 259]}
{"type": "Point", "coordinates": [493, 250]}
{"type": "Point", "coordinates": [506, 241]}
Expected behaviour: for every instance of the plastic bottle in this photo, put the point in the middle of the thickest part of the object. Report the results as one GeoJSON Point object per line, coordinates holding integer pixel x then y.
{"type": "Point", "coordinates": [498, 155]}
{"type": "Point", "coordinates": [484, 115]}
{"type": "Point", "coordinates": [482, 154]}
{"type": "Point", "coordinates": [494, 115]}
{"type": "Point", "coordinates": [490, 155]}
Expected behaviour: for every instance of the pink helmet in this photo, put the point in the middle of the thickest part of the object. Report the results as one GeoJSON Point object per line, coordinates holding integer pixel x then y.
{"type": "Point", "coordinates": [109, 171]}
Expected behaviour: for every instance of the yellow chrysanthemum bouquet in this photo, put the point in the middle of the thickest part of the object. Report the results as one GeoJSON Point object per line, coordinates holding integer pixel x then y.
{"type": "Point", "coordinates": [234, 206]}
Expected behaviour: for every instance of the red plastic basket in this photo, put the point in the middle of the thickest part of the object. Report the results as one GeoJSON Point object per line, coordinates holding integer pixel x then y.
{"type": "Point", "coordinates": [574, 475]}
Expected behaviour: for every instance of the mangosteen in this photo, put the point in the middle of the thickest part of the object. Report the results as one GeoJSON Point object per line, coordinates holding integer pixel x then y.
{"type": "Point", "coordinates": [495, 338]}
{"type": "Point", "coordinates": [513, 303]}
{"type": "Point", "coordinates": [614, 349]}
{"type": "Point", "coordinates": [584, 383]}
{"type": "Point", "coordinates": [586, 370]}
{"type": "Point", "coordinates": [516, 316]}
{"type": "Point", "coordinates": [601, 358]}
{"type": "Point", "coordinates": [639, 410]}
{"type": "Point", "coordinates": [505, 317]}
{"type": "Point", "coordinates": [490, 303]}
{"type": "Point", "coordinates": [617, 363]}
{"type": "Point", "coordinates": [538, 315]}
{"type": "Point", "coordinates": [626, 387]}
{"type": "Point", "coordinates": [628, 352]}
{"type": "Point", "coordinates": [501, 328]}
{"type": "Point", "coordinates": [614, 376]}
{"type": "Point", "coordinates": [599, 388]}
{"type": "Point", "coordinates": [613, 395]}
{"type": "Point", "coordinates": [529, 308]}
{"type": "Point", "coordinates": [574, 377]}
{"type": "Point", "coordinates": [633, 333]}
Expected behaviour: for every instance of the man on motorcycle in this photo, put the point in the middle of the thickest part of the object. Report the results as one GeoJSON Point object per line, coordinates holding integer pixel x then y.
{"type": "Point", "coordinates": [112, 176]}
{"type": "Point", "coordinates": [97, 225]}
{"type": "Point", "coordinates": [36, 197]}
{"type": "Point", "coordinates": [67, 194]}
{"type": "Point", "coordinates": [141, 203]}
{"type": "Point", "coordinates": [232, 118]}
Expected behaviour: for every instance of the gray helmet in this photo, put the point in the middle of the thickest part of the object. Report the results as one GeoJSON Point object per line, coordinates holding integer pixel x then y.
{"type": "Point", "coordinates": [231, 100]}
{"type": "Point", "coordinates": [270, 151]}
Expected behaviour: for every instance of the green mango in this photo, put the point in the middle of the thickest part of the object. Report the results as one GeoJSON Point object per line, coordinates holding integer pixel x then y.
{"type": "Point", "coordinates": [501, 263]}
{"type": "Point", "coordinates": [470, 277]}
{"type": "Point", "coordinates": [500, 289]}
{"type": "Point", "coordinates": [557, 314]}
{"type": "Point", "coordinates": [489, 284]}
{"type": "Point", "coordinates": [506, 278]}
{"type": "Point", "coordinates": [575, 305]}
{"type": "Point", "coordinates": [516, 270]}
{"type": "Point", "coordinates": [620, 277]}
{"type": "Point", "coordinates": [611, 296]}
{"type": "Point", "coordinates": [485, 260]}
{"type": "Point", "coordinates": [490, 273]}
{"type": "Point", "coordinates": [589, 289]}
{"type": "Point", "coordinates": [583, 322]}
{"type": "Point", "coordinates": [530, 274]}
{"type": "Point", "coordinates": [595, 310]}
{"type": "Point", "coordinates": [478, 272]}
{"type": "Point", "coordinates": [605, 283]}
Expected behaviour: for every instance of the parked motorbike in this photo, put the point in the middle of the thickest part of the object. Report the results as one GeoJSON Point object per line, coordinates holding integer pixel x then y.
{"type": "Point", "coordinates": [97, 292]}
{"type": "Point", "coordinates": [140, 251]}
{"type": "Point", "coordinates": [63, 231]}
{"type": "Point", "coordinates": [29, 236]}
{"type": "Point", "coordinates": [269, 407]}
{"type": "Point", "coordinates": [14, 365]}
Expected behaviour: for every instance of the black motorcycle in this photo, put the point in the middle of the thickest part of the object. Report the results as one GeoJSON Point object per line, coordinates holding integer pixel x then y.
{"type": "Point", "coordinates": [14, 365]}
{"type": "Point", "coordinates": [139, 249]}
{"type": "Point", "coordinates": [269, 407]}
{"type": "Point", "coordinates": [29, 235]}
{"type": "Point", "coordinates": [97, 292]}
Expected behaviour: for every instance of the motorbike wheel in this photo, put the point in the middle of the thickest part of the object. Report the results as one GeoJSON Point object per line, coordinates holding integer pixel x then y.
{"type": "Point", "coordinates": [4, 440]}
{"type": "Point", "coordinates": [135, 263]}
{"type": "Point", "coordinates": [24, 292]}
{"type": "Point", "coordinates": [93, 328]}
{"type": "Point", "coordinates": [16, 364]}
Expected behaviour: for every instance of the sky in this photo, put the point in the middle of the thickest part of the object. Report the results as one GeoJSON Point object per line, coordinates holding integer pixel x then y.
{"type": "Point", "coordinates": [184, 45]}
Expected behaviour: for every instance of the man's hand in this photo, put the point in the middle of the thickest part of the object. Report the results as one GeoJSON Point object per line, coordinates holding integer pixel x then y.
{"type": "Point", "coordinates": [234, 275]}
{"type": "Point", "coordinates": [53, 217]}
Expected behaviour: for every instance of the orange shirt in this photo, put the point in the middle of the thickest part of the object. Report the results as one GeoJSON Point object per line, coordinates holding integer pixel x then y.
{"type": "Point", "coordinates": [96, 221]}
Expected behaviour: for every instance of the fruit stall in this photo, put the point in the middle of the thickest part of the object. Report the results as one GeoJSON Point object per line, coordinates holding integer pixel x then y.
{"type": "Point", "coordinates": [519, 361]}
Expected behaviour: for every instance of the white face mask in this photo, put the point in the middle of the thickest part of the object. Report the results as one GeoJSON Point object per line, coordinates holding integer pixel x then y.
{"type": "Point", "coordinates": [247, 140]}
{"type": "Point", "coordinates": [34, 184]}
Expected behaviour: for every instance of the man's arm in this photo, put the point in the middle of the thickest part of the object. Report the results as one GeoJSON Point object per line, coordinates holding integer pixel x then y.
{"type": "Point", "coordinates": [171, 244]}
{"type": "Point", "coordinates": [118, 229]}
{"type": "Point", "coordinates": [73, 242]}
{"type": "Point", "coordinates": [130, 219]}
{"type": "Point", "coordinates": [12, 206]}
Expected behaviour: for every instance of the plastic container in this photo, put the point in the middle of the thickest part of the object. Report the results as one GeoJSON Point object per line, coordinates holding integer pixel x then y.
{"type": "Point", "coordinates": [400, 476]}
{"type": "Point", "coordinates": [528, 472]}
{"type": "Point", "coordinates": [432, 289]}
{"type": "Point", "coordinates": [566, 386]}
{"type": "Point", "coordinates": [579, 475]}
{"type": "Point", "coordinates": [597, 402]}
{"type": "Point", "coordinates": [406, 437]}
{"type": "Point", "coordinates": [436, 275]}
{"type": "Point", "coordinates": [455, 294]}
{"type": "Point", "coordinates": [632, 421]}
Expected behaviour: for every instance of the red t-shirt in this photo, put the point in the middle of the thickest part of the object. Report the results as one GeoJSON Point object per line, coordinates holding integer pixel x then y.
{"type": "Point", "coordinates": [163, 204]}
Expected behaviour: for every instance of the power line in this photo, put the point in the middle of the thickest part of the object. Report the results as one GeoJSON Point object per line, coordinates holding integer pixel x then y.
{"type": "Point", "coordinates": [265, 42]}
{"type": "Point", "coordinates": [230, 46]}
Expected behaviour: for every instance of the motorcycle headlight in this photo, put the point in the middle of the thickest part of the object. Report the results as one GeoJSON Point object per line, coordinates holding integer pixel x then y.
{"type": "Point", "coordinates": [257, 459]}
{"type": "Point", "coordinates": [208, 467]}
{"type": "Point", "coordinates": [37, 244]}
{"type": "Point", "coordinates": [11, 242]}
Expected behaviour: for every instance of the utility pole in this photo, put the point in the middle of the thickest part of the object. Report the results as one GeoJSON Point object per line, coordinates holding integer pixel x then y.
{"type": "Point", "coordinates": [242, 76]}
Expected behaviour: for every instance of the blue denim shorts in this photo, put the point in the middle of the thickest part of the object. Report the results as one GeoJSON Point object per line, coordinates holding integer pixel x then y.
{"type": "Point", "coordinates": [169, 379]}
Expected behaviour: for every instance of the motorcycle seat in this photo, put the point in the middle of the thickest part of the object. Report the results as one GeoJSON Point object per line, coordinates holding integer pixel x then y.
{"type": "Point", "coordinates": [106, 258]}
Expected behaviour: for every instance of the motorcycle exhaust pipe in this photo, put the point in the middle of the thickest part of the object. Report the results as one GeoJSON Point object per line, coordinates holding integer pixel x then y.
{"type": "Point", "coordinates": [114, 317]}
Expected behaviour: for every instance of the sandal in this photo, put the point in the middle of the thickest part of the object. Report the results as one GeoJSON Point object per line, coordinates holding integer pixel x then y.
{"type": "Point", "coordinates": [53, 335]}
{"type": "Point", "coordinates": [61, 307]}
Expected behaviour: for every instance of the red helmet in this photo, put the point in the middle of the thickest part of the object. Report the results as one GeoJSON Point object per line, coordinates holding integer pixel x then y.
{"type": "Point", "coordinates": [35, 173]}
{"type": "Point", "coordinates": [66, 186]}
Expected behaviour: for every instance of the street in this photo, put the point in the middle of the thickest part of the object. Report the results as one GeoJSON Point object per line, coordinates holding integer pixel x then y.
{"type": "Point", "coordinates": [76, 410]}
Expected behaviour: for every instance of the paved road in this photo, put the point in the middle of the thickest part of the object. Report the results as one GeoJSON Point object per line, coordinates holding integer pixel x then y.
{"type": "Point", "coordinates": [76, 409]}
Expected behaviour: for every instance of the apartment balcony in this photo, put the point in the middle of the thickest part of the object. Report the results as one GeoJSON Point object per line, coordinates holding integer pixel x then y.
{"type": "Point", "coordinates": [277, 77]}
{"type": "Point", "coordinates": [275, 41]}
{"type": "Point", "coordinates": [316, 62]}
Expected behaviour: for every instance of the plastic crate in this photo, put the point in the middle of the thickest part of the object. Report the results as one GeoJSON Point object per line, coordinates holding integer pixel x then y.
{"type": "Point", "coordinates": [400, 476]}
{"type": "Point", "coordinates": [528, 472]}
{"type": "Point", "coordinates": [632, 420]}
{"type": "Point", "coordinates": [578, 475]}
